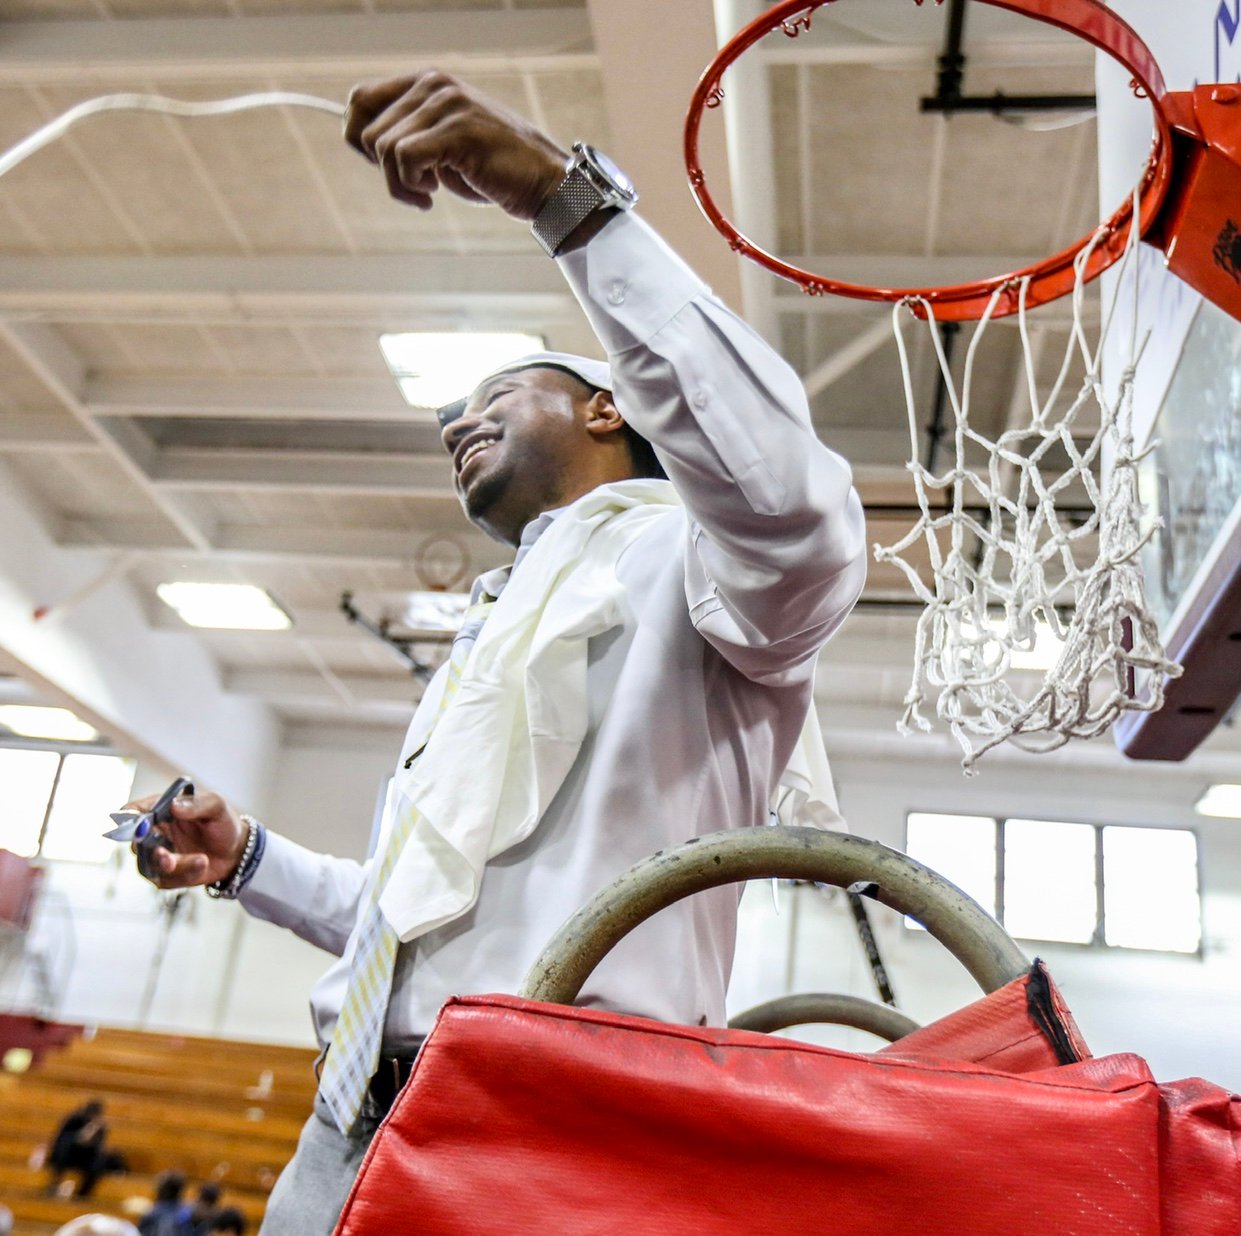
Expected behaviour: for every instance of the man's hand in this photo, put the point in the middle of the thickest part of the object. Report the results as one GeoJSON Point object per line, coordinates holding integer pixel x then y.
{"type": "Point", "coordinates": [209, 837]}
{"type": "Point", "coordinates": [429, 129]}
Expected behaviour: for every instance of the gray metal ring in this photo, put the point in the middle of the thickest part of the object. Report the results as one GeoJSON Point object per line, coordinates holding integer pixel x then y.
{"type": "Point", "coordinates": [960, 924]}
{"type": "Point", "coordinates": [826, 1008]}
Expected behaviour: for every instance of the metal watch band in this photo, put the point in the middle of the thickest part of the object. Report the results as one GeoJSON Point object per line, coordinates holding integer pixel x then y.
{"type": "Point", "coordinates": [573, 202]}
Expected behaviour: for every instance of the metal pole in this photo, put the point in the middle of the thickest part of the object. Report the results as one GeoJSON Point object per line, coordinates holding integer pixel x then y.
{"type": "Point", "coordinates": [168, 914]}
{"type": "Point", "coordinates": [866, 933]}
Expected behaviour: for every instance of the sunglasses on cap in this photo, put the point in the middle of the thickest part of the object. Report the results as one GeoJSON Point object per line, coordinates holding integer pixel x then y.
{"type": "Point", "coordinates": [451, 412]}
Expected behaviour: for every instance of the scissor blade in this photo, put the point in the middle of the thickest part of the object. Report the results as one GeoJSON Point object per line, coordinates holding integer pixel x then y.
{"type": "Point", "coordinates": [127, 825]}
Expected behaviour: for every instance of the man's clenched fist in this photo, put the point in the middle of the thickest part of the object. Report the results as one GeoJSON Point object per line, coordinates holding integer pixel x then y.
{"type": "Point", "coordinates": [429, 129]}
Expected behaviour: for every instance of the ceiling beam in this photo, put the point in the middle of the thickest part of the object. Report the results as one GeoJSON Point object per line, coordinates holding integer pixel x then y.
{"type": "Point", "coordinates": [336, 288]}
{"type": "Point", "coordinates": [274, 398]}
{"type": "Point", "coordinates": [475, 289]}
{"type": "Point", "coordinates": [63, 373]}
{"type": "Point", "coordinates": [249, 543]}
{"type": "Point", "coordinates": [334, 46]}
{"type": "Point", "coordinates": [847, 358]}
{"type": "Point", "coordinates": [14, 691]}
{"type": "Point", "coordinates": [294, 686]}
{"type": "Point", "coordinates": [209, 468]}
{"type": "Point", "coordinates": [40, 431]}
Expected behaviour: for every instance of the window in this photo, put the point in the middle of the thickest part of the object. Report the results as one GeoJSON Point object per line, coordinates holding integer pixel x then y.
{"type": "Point", "coordinates": [27, 777]}
{"type": "Point", "coordinates": [1072, 883]}
{"type": "Point", "coordinates": [57, 804]}
{"type": "Point", "coordinates": [1050, 889]}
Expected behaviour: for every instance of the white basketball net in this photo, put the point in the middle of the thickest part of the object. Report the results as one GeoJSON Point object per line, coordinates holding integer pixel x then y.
{"type": "Point", "coordinates": [1003, 560]}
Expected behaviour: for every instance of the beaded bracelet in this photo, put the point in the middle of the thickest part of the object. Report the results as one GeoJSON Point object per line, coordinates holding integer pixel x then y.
{"type": "Point", "coordinates": [256, 843]}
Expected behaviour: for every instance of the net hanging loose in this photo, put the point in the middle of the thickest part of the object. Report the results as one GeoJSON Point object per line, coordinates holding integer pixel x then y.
{"type": "Point", "coordinates": [1001, 560]}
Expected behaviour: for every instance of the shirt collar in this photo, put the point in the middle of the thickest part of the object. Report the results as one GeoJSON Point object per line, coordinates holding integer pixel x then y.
{"type": "Point", "coordinates": [492, 583]}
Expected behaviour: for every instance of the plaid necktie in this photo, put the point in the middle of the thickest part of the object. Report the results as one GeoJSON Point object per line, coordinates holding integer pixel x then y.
{"type": "Point", "coordinates": [354, 1053]}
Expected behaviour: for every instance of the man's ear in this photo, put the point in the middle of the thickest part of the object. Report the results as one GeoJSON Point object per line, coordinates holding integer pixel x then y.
{"type": "Point", "coordinates": [602, 417]}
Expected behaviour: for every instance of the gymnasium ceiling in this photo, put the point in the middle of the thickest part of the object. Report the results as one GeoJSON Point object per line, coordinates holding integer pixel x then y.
{"type": "Point", "coordinates": [189, 309]}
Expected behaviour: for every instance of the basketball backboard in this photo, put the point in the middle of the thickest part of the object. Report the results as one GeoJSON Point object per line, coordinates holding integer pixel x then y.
{"type": "Point", "coordinates": [1187, 399]}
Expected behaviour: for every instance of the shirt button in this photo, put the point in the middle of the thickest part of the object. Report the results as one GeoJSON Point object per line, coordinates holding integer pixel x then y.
{"type": "Point", "coordinates": [616, 293]}
{"type": "Point", "coordinates": [699, 399]}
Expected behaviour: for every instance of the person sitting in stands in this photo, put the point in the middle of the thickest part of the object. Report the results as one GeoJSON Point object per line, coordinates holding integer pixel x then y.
{"type": "Point", "coordinates": [206, 1208]}
{"type": "Point", "coordinates": [79, 1146]}
{"type": "Point", "coordinates": [170, 1215]}
{"type": "Point", "coordinates": [228, 1220]}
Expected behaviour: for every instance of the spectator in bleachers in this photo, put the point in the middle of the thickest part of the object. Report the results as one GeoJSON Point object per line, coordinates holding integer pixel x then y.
{"type": "Point", "coordinates": [170, 1213]}
{"type": "Point", "coordinates": [229, 1221]}
{"type": "Point", "coordinates": [79, 1146]}
{"type": "Point", "coordinates": [206, 1207]}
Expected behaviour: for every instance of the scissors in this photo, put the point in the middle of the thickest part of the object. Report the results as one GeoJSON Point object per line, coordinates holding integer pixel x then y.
{"type": "Point", "coordinates": [141, 827]}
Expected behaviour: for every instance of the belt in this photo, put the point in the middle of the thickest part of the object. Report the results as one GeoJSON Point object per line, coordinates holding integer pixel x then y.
{"type": "Point", "coordinates": [390, 1077]}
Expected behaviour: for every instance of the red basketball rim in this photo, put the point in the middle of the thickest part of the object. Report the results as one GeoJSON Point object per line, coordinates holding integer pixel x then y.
{"type": "Point", "coordinates": [1049, 279]}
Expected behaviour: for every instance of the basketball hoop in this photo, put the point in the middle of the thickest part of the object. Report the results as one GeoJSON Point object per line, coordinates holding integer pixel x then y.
{"type": "Point", "coordinates": [1004, 563]}
{"type": "Point", "coordinates": [1055, 276]}
{"type": "Point", "coordinates": [996, 576]}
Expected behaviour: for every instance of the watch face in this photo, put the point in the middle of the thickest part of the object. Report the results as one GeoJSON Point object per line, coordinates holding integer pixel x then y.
{"type": "Point", "coordinates": [608, 169]}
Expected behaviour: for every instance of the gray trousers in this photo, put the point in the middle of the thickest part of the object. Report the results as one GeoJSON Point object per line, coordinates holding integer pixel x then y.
{"type": "Point", "coordinates": [313, 1188]}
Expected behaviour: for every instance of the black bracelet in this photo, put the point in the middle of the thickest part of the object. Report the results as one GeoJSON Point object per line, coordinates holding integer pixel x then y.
{"type": "Point", "coordinates": [256, 843]}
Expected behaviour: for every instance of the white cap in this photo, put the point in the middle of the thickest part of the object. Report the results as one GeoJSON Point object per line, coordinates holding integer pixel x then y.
{"type": "Point", "coordinates": [595, 373]}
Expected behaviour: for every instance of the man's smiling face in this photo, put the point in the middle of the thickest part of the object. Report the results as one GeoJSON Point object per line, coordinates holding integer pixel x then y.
{"type": "Point", "coordinates": [518, 447]}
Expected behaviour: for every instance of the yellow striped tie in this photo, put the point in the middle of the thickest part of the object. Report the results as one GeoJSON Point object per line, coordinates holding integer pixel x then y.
{"type": "Point", "coordinates": [354, 1053]}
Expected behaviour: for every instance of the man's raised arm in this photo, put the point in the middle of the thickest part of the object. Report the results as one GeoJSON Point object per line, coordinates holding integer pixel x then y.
{"type": "Point", "coordinates": [778, 534]}
{"type": "Point", "coordinates": [777, 558]}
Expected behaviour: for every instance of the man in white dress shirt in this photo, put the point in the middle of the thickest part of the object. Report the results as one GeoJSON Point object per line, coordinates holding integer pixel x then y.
{"type": "Point", "coordinates": [646, 673]}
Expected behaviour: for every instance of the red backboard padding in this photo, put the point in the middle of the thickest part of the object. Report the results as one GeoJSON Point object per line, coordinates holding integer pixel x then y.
{"type": "Point", "coordinates": [1023, 1027]}
{"type": "Point", "coordinates": [524, 1118]}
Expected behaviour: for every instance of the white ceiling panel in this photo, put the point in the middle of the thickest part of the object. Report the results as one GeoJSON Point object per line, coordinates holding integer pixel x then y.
{"type": "Point", "coordinates": [130, 165]}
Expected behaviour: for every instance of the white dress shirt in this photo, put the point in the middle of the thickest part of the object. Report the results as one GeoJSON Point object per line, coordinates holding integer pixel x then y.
{"type": "Point", "coordinates": [696, 697]}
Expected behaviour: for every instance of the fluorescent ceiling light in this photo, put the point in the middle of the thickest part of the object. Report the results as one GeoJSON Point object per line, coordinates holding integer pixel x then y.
{"type": "Point", "coordinates": [234, 607]}
{"type": "Point", "coordinates": [434, 368]}
{"type": "Point", "coordinates": [434, 611]}
{"type": "Point", "coordinates": [1222, 801]}
{"type": "Point", "coordinates": [54, 723]}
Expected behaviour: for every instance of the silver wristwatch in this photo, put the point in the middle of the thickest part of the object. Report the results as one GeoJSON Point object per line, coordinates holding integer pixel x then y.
{"type": "Point", "coordinates": [592, 183]}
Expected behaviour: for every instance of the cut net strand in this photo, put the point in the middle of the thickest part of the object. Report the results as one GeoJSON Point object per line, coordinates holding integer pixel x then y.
{"type": "Point", "coordinates": [129, 102]}
{"type": "Point", "coordinates": [1003, 560]}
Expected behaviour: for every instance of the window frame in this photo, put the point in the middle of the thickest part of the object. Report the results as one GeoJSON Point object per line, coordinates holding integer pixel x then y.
{"type": "Point", "coordinates": [1098, 940]}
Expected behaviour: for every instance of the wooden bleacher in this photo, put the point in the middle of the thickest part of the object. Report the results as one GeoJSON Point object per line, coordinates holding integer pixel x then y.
{"type": "Point", "coordinates": [210, 1108]}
